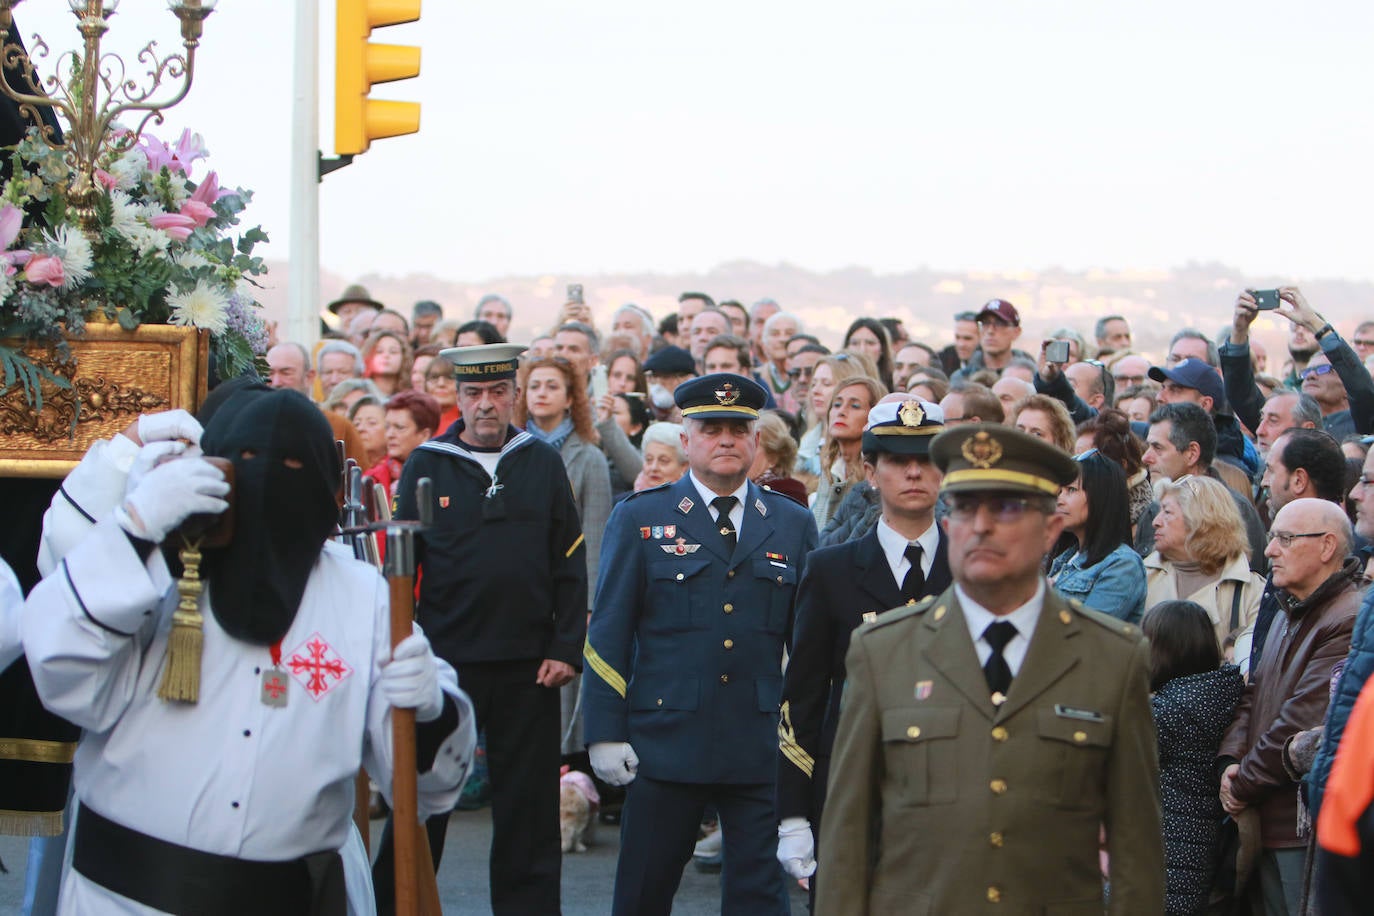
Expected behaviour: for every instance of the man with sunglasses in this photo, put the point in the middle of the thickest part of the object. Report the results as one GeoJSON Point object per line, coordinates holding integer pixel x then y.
{"type": "Point", "coordinates": [987, 733]}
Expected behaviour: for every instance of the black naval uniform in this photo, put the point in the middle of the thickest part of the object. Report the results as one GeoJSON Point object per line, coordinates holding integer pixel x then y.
{"type": "Point", "coordinates": [844, 586]}
{"type": "Point", "coordinates": [503, 586]}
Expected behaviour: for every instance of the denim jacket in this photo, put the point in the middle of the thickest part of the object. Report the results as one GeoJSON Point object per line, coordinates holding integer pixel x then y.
{"type": "Point", "coordinates": [1116, 586]}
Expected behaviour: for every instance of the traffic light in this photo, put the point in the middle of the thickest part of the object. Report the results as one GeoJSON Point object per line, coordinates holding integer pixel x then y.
{"type": "Point", "coordinates": [358, 64]}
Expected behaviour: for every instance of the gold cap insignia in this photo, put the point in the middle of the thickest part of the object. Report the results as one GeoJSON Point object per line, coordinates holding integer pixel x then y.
{"type": "Point", "coordinates": [911, 413]}
{"type": "Point", "coordinates": [727, 395]}
{"type": "Point", "coordinates": [981, 450]}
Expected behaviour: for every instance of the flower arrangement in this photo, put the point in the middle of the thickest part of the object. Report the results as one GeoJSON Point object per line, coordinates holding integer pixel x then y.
{"type": "Point", "coordinates": [161, 252]}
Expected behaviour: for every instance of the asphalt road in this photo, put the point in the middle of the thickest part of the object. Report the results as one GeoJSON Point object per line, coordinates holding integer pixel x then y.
{"type": "Point", "coordinates": [463, 886]}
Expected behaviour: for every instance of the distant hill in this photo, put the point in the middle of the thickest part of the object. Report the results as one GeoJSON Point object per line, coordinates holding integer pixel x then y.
{"type": "Point", "coordinates": [1157, 303]}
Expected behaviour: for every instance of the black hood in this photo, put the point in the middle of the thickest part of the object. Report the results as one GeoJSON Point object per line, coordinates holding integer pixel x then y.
{"type": "Point", "coordinates": [286, 473]}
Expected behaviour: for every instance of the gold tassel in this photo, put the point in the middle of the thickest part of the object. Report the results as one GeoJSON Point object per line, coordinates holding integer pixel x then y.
{"type": "Point", "coordinates": [181, 677]}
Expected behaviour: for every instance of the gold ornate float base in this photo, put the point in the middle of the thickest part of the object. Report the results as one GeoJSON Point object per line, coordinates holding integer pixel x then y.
{"type": "Point", "coordinates": [116, 375]}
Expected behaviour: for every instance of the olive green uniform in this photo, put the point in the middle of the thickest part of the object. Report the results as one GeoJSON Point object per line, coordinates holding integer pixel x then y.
{"type": "Point", "coordinates": [941, 802]}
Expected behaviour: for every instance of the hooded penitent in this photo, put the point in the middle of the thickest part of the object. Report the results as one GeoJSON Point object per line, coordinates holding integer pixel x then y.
{"type": "Point", "coordinates": [286, 472]}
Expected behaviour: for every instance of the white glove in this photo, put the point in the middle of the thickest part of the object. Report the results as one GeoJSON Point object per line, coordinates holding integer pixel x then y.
{"type": "Point", "coordinates": [614, 761]}
{"type": "Point", "coordinates": [411, 679]}
{"type": "Point", "coordinates": [150, 456]}
{"type": "Point", "coordinates": [796, 847]}
{"type": "Point", "coordinates": [167, 425]}
{"type": "Point", "coordinates": [169, 494]}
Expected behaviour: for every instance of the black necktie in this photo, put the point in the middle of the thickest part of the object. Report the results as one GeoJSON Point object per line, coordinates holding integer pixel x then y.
{"type": "Point", "coordinates": [723, 505]}
{"type": "Point", "coordinates": [996, 669]}
{"type": "Point", "coordinates": [915, 582]}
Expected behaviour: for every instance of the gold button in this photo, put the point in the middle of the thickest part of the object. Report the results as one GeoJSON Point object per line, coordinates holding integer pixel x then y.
{"type": "Point", "coordinates": [1065, 617]}
{"type": "Point", "coordinates": [1080, 737]}
{"type": "Point", "coordinates": [730, 574]}
{"type": "Point", "coordinates": [660, 701]}
{"type": "Point", "coordinates": [994, 895]}
{"type": "Point", "coordinates": [998, 786]}
{"type": "Point", "coordinates": [725, 678]}
{"type": "Point", "coordinates": [729, 643]}
{"type": "Point", "coordinates": [911, 601]}
{"type": "Point", "coordinates": [995, 838]}
{"type": "Point", "coordinates": [780, 580]}
{"type": "Point", "coordinates": [913, 732]}
{"type": "Point", "coordinates": [999, 734]}
{"type": "Point", "coordinates": [940, 612]}
{"type": "Point", "coordinates": [729, 608]}
{"type": "Point", "coordinates": [679, 577]}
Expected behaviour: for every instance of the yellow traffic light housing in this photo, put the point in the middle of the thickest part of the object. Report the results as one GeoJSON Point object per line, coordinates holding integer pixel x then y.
{"type": "Point", "coordinates": [359, 64]}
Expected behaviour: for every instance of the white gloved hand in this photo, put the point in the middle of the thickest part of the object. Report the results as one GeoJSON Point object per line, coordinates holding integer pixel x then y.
{"type": "Point", "coordinates": [411, 679]}
{"type": "Point", "coordinates": [796, 847]}
{"type": "Point", "coordinates": [167, 425]}
{"type": "Point", "coordinates": [614, 761]}
{"type": "Point", "coordinates": [149, 457]}
{"type": "Point", "coordinates": [169, 494]}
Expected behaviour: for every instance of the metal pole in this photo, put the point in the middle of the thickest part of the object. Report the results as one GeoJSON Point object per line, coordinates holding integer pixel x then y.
{"type": "Point", "coordinates": [303, 285]}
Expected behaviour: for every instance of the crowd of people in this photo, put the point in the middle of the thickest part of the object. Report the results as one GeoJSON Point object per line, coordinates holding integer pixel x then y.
{"type": "Point", "coordinates": [704, 557]}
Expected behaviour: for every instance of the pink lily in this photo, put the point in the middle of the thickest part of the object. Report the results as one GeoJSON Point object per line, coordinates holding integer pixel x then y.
{"type": "Point", "coordinates": [175, 225]}
{"type": "Point", "coordinates": [158, 154]}
{"type": "Point", "coordinates": [197, 211]}
{"type": "Point", "coordinates": [208, 191]}
{"type": "Point", "coordinates": [190, 148]}
{"type": "Point", "coordinates": [45, 268]}
{"type": "Point", "coordinates": [11, 221]}
{"type": "Point", "coordinates": [105, 179]}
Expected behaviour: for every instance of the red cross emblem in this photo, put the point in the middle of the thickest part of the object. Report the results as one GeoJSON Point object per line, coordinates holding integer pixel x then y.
{"type": "Point", "coordinates": [275, 687]}
{"type": "Point", "coordinates": [317, 667]}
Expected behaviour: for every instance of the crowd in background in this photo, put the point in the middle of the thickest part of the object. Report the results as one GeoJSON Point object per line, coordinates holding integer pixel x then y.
{"type": "Point", "coordinates": [1225, 503]}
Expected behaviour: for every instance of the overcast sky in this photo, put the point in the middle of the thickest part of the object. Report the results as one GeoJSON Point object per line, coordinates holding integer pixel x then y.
{"type": "Point", "coordinates": [998, 134]}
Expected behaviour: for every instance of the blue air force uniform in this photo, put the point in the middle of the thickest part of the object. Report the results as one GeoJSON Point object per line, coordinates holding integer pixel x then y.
{"type": "Point", "coordinates": [684, 661]}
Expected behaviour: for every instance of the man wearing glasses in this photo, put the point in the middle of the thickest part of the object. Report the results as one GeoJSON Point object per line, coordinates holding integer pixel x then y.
{"type": "Point", "coordinates": [1309, 555]}
{"type": "Point", "coordinates": [988, 732]}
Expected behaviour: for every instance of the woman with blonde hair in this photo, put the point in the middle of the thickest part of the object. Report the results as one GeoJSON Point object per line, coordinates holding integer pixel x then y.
{"type": "Point", "coordinates": [775, 458]}
{"type": "Point", "coordinates": [1045, 418]}
{"type": "Point", "coordinates": [1202, 554]}
{"type": "Point", "coordinates": [841, 455]}
{"type": "Point", "coordinates": [826, 374]}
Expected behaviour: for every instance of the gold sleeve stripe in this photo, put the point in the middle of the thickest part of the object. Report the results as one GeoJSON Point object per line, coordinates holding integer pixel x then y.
{"type": "Point", "coordinates": [787, 743]}
{"type": "Point", "coordinates": [576, 544]}
{"type": "Point", "coordinates": [33, 750]}
{"type": "Point", "coordinates": [605, 671]}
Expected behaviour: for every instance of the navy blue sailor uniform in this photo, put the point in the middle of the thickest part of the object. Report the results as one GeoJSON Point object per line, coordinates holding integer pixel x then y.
{"type": "Point", "coordinates": [684, 652]}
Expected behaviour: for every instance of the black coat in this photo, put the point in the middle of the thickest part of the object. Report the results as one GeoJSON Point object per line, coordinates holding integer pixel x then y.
{"type": "Point", "coordinates": [842, 585]}
{"type": "Point", "coordinates": [1191, 715]}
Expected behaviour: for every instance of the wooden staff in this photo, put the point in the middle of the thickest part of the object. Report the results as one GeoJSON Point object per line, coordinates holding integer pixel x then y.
{"type": "Point", "coordinates": [417, 891]}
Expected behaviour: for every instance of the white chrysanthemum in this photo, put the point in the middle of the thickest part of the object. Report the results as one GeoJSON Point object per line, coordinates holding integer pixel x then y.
{"type": "Point", "coordinates": [70, 244]}
{"type": "Point", "coordinates": [190, 259]}
{"type": "Point", "coordinates": [147, 240]}
{"type": "Point", "coordinates": [128, 169]}
{"type": "Point", "coordinates": [124, 219]}
{"type": "Point", "coordinates": [202, 307]}
{"type": "Point", "coordinates": [6, 284]}
{"type": "Point", "coordinates": [177, 191]}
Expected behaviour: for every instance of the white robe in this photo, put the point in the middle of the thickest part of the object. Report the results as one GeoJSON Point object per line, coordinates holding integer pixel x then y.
{"type": "Point", "coordinates": [228, 775]}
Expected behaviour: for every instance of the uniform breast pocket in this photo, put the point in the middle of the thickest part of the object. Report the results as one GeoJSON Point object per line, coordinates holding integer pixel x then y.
{"type": "Point", "coordinates": [677, 593]}
{"type": "Point", "coordinates": [779, 583]}
{"type": "Point", "coordinates": [920, 754]}
{"type": "Point", "coordinates": [1074, 754]}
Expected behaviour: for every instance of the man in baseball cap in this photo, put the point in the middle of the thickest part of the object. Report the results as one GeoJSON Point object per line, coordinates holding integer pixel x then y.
{"type": "Point", "coordinates": [999, 326]}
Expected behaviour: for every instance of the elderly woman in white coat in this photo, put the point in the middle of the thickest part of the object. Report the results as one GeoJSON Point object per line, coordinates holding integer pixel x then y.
{"type": "Point", "coordinates": [1201, 554]}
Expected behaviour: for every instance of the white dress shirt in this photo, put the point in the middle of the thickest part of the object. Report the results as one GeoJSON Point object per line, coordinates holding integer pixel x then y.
{"type": "Point", "coordinates": [894, 548]}
{"type": "Point", "coordinates": [1023, 618]}
{"type": "Point", "coordinates": [736, 514]}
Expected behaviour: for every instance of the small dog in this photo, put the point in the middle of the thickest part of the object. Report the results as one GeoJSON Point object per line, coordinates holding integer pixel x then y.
{"type": "Point", "coordinates": [578, 802]}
